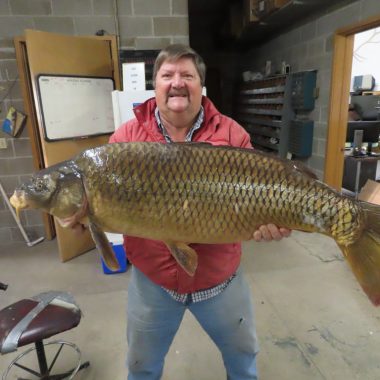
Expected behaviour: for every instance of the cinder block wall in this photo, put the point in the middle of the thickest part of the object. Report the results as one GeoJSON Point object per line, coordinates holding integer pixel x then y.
{"type": "Point", "coordinates": [307, 47]}
{"type": "Point", "coordinates": [142, 24]}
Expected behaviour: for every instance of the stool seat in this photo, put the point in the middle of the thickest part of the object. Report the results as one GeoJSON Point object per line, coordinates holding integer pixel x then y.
{"type": "Point", "coordinates": [51, 320]}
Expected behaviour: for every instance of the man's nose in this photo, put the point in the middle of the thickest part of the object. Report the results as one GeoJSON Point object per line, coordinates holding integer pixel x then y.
{"type": "Point", "coordinates": [178, 81]}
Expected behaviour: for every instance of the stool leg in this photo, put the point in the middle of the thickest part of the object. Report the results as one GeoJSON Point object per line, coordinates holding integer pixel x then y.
{"type": "Point", "coordinates": [40, 350]}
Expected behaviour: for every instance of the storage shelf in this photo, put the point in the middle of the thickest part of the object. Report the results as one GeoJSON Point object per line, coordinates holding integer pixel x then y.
{"type": "Point", "coordinates": [262, 101]}
{"type": "Point", "coordinates": [275, 117]}
{"type": "Point", "coordinates": [261, 91]}
{"type": "Point", "coordinates": [263, 108]}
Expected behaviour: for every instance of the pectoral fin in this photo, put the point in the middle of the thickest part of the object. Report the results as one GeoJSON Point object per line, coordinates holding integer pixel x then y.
{"type": "Point", "coordinates": [185, 256]}
{"type": "Point", "coordinates": [104, 247]}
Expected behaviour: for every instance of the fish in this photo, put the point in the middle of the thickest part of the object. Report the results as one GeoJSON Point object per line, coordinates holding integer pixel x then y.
{"type": "Point", "coordinates": [184, 193]}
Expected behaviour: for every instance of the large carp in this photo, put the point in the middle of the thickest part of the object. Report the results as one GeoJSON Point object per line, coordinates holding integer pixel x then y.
{"type": "Point", "coordinates": [198, 193]}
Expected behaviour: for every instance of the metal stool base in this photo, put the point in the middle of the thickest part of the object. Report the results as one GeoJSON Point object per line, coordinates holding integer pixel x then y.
{"type": "Point", "coordinates": [45, 370]}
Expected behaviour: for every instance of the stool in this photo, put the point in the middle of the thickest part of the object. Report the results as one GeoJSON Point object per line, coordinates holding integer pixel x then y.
{"type": "Point", "coordinates": [33, 320]}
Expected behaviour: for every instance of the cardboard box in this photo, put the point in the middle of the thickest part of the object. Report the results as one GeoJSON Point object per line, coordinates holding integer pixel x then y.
{"type": "Point", "coordinates": [116, 240]}
{"type": "Point", "coordinates": [370, 192]}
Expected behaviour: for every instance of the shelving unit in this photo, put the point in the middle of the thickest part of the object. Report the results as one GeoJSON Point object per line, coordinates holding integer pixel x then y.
{"type": "Point", "coordinates": [274, 111]}
{"type": "Point", "coordinates": [264, 110]}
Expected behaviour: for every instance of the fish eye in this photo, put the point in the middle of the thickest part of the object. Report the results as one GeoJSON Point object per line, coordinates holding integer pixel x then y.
{"type": "Point", "coordinates": [39, 184]}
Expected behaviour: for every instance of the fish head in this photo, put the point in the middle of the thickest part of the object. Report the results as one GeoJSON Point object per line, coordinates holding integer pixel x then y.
{"type": "Point", "coordinates": [57, 190]}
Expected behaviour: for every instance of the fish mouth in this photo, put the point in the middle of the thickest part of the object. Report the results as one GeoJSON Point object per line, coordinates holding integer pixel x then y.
{"type": "Point", "coordinates": [19, 202]}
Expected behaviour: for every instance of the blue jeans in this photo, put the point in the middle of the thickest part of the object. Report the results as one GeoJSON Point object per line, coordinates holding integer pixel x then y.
{"type": "Point", "coordinates": [154, 318]}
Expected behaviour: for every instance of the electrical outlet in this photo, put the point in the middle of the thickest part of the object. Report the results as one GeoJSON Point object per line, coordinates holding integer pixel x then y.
{"type": "Point", "coordinates": [3, 143]}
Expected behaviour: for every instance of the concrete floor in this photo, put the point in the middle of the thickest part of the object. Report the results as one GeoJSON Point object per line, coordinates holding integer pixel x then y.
{"type": "Point", "coordinates": [313, 320]}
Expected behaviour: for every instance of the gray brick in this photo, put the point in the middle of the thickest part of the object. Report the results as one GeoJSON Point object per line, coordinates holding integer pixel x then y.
{"type": "Point", "coordinates": [13, 166]}
{"type": "Point", "coordinates": [321, 148]}
{"type": "Point", "coordinates": [125, 8]}
{"type": "Point", "coordinates": [320, 130]}
{"type": "Point", "coordinates": [131, 27]}
{"type": "Point", "coordinates": [71, 7]}
{"type": "Point", "coordinates": [7, 220]}
{"type": "Point", "coordinates": [148, 7]}
{"type": "Point", "coordinates": [293, 37]}
{"type": "Point", "coordinates": [166, 26]}
{"type": "Point", "coordinates": [345, 16]}
{"type": "Point", "coordinates": [103, 7]}
{"type": "Point", "coordinates": [64, 25]}
{"type": "Point", "coordinates": [308, 31]}
{"type": "Point", "coordinates": [3, 110]}
{"type": "Point", "coordinates": [180, 7]}
{"type": "Point", "coordinates": [9, 183]}
{"type": "Point", "coordinates": [10, 90]}
{"type": "Point", "coordinates": [369, 8]}
{"type": "Point", "coordinates": [181, 40]}
{"type": "Point", "coordinates": [6, 43]}
{"type": "Point", "coordinates": [2, 204]}
{"type": "Point", "coordinates": [152, 42]}
{"type": "Point", "coordinates": [33, 218]}
{"type": "Point", "coordinates": [90, 25]}
{"type": "Point", "coordinates": [315, 146]}
{"type": "Point", "coordinates": [7, 54]}
{"type": "Point", "coordinates": [324, 78]}
{"type": "Point", "coordinates": [30, 7]}
{"type": "Point", "coordinates": [298, 52]}
{"type": "Point", "coordinates": [316, 47]}
{"type": "Point", "coordinates": [23, 147]}
{"type": "Point", "coordinates": [324, 114]}
{"type": "Point", "coordinates": [15, 26]}
{"type": "Point", "coordinates": [5, 235]}
{"type": "Point", "coordinates": [8, 69]}
{"type": "Point", "coordinates": [8, 152]}
{"type": "Point", "coordinates": [4, 7]}
{"type": "Point", "coordinates": [317, 162]}
{"type": "Point", "coordinates": [329, 44]}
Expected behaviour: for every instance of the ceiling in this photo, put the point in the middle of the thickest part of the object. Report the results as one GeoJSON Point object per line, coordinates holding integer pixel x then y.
{"type": "Point", "coordinates": [209, 22]}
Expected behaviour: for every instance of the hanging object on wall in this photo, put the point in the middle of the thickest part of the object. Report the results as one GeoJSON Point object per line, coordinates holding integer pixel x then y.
{"type": "Point", "coordinates": [14, 122]}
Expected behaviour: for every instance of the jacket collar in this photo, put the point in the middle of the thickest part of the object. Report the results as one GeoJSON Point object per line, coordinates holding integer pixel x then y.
{"type": "Point", "coordinates": [145, 116]}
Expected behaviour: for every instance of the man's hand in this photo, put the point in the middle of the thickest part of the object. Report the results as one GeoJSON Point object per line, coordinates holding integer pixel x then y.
{"type": "Point", "coordinates": [269, 232]}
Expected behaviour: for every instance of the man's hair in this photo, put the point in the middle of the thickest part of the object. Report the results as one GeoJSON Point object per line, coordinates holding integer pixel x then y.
{"type": "Point", "coordinates": [173, 53]}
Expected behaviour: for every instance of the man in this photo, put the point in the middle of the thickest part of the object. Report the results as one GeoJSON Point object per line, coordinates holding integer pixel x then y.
{"type": "Point", "coordinates": [159, 290]}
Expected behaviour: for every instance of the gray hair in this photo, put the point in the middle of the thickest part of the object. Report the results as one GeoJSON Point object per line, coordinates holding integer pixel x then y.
{"type": "Point", "coordinates": [175, 52]}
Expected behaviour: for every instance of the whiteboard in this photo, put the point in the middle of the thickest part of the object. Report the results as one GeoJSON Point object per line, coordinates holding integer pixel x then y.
{"type": "Point", "coordinates": [74, 107]}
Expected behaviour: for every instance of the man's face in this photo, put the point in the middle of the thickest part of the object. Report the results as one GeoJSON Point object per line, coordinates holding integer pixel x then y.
{"type": "Point", "coordinates": [178, 87]}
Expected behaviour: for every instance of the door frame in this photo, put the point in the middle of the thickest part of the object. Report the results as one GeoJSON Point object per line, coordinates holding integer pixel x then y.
{"type": "Point", "coordinates": [339, 98]}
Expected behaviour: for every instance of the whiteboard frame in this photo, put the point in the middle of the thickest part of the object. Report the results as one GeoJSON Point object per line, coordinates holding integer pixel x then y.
{"type": "Point", "coordinates": [43, 102]}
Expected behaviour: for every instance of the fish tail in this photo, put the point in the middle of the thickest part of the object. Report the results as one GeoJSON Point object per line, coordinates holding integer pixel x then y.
{"type": "Point", "coordinates": [364, 255]}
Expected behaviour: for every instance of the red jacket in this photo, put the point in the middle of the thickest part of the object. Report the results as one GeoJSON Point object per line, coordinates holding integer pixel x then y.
{"type": "Point", "coordinates": [216, 262]}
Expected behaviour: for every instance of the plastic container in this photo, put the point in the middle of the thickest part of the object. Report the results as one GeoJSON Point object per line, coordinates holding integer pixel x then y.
{"type": "Point", "coordinates": [116, 240]}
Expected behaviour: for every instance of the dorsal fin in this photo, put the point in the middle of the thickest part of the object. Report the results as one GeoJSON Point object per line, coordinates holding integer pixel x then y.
{"type": "Point", "coordinates": [303, 169]}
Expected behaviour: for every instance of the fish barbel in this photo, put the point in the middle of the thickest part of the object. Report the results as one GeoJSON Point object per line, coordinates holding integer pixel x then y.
{"type": "Point", "coordinates": [184, 193]}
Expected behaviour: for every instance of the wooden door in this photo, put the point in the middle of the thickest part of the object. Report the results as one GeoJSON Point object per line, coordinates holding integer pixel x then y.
{"type": "Point", "coordinates": [339, 98]}
{"type": "Point", "coordinates": [49, 53]}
